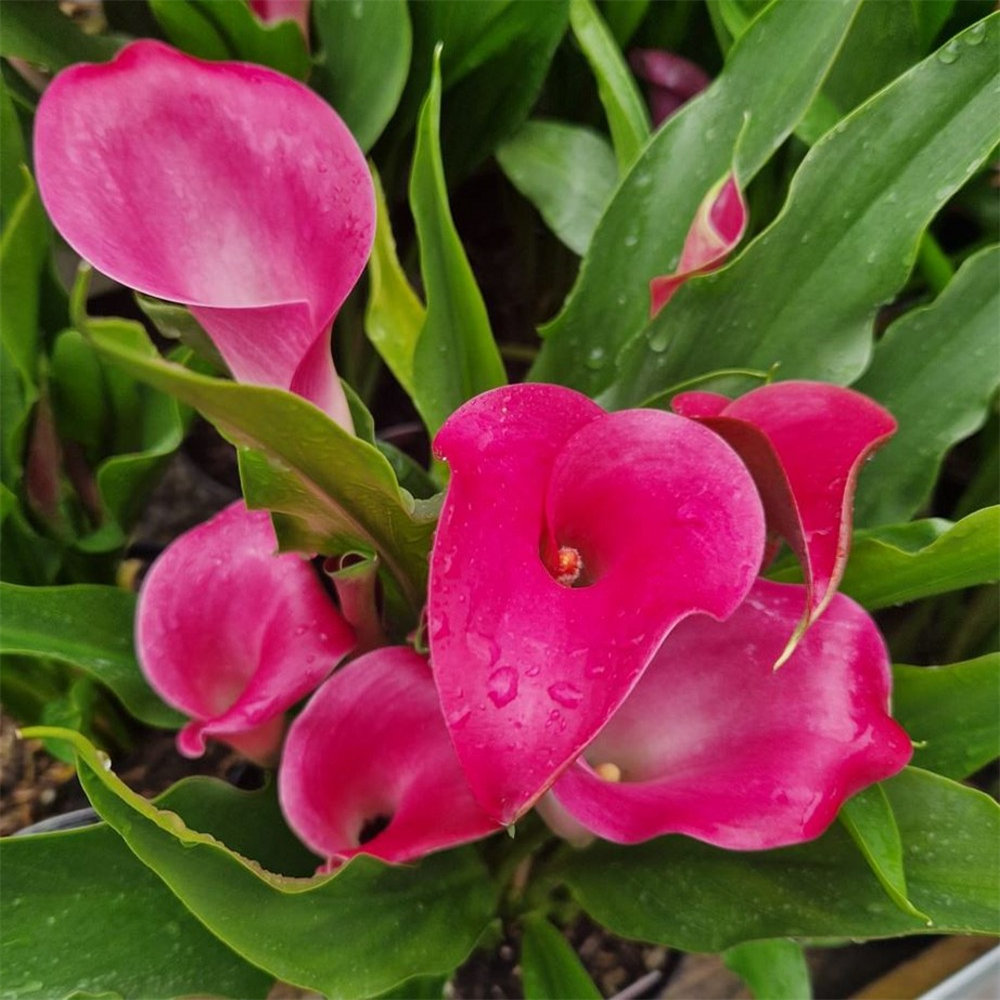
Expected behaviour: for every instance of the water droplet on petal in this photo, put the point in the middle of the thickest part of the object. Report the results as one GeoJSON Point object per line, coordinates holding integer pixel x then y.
{"type": "Point", "coordinates": [566, 694]}
{"type": "Point", "coordinates": [503, 686]}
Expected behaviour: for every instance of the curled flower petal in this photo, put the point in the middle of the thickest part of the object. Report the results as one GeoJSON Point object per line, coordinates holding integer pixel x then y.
{"type": "Point", "coordinates": [804, 443]}
{"type": "Point", "coordinates": [232, 634]}
{"type": "Point", "coordinates": [270, 11]}
{"type": "Point", "coordinates": [645, 514]}
{"type": "Point", "coordinates": [714, 744]}
{"type": "Point", "coordinates": [718, 226]}
{"type": "Point", "coordinates": [671, 80]}
{"type": "Point", "coordinates": [226, 187]}
{"type": "Point", "coordinates": [368, 767]}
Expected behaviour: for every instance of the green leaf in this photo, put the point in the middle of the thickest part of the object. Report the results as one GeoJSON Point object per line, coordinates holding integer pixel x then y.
{"type": "Point", "coordinates": [364, 61]}
{"type": "Point", "coordinates": [772, 74]}
{"type": "Point", "coordinates": [339, 492]}
{"type": "Point", "coordinates": [945, 353]}
{"type": "Point", "coordinates": [869, 820]}
{"type": "Point", "coordinates": [456, 357]}
{"type": "Point", "coordinates": [626, 111]}
{"type": "Point", "coordinates": [774, 970]}
{"type": "Point", "coordinates": [550, 968]}
{"type": "Point", "coordinates": [679, 892]}
{"type": "Point", "coordinates": [623, 17]}
{"type": "Point", "coordinates": [220, 29]}
{"type": "Point", "coordinates": [131, 936]}
{"type": "Point", "coordinates": [177, 323]}
{"type": "Point", "coordinates": [394, 315]}
{"type": "Point", "coordinates": [328, 933]}
{"type": "Point", "coordinates": [89, 627]}
{"type": "Point", "coordinates": [894, 566]}
{"type": "Point", "coordinates": [951, 714]}
{"type": "Point", "coordinates": [12, 180]}
{"type": "Point", "coordinates": [804, 294]}
{"type": "Point", "coordinates": [931, 16]}
{"type": "Point", "coordinates": [567, 172]}
{"type": "Point", "coordinates": [36, 30]}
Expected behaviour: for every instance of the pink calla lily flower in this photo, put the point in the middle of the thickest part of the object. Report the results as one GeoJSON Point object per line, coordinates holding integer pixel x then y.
{"type": "Point", "coordinates": [233, 635]}
{"type": "Point", "coordinates": [671, 80]}
{"type": "Point", "coordinates": [714, 744]}
{"type": "Point", "coordinates": [718, 226]}
{"type": "Point", "coordinates": [804, 443]}
{"type": "Point", "coordinates": [652, 517]}
{"type": "Point", "coordinates": [270, 11]}
{"type": "Point", "coordinates": [225, 187]}
{"type": "Point", "coordinates": [368, 767]}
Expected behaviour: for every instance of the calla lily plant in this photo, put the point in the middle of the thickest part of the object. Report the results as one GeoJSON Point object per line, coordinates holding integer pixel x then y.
{"type": "Point", "coordinates": [620, 605]}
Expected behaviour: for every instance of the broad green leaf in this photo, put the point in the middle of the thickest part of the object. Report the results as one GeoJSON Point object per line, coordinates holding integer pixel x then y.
{"type": "Point", "coordinates": [394, 315]}
{"type": "Point", "coordinates": [623, 17]}
{"type": "Point", "coordinates": [550, 969]}
{"type": "Point", "coordinates": [567, 172]}
{"type": "Point", "coordinates": [951, 714]}
{"type": "Point", "coordinates": [936, 370]}
{"type": "Point", "coordinates": [89, 627]}
{"type": "Point", "coordinates": [130, 936]}
{"type": "Point", "coordinates": [771, 75]}
{"type": "Point", "coordinates": [628, 119]}
{"type": "Point", "coordinates": [28, 557]}
{"type": "Point", "coordinates": [12, 180]}
{"type": "Point", "coordinates": [220, 29]}
{"type": "Point", "coordinates": [339, 490]}
{"type": "Point", "coordinates": [36, 30]}
{"type": "Point", "coordinates": [681, 893]}
{"type": "Point", "coordinates": [364, 61]}
{"type": "Point", "coordinates": [418, 988]}
{"type": "Point", "coordinates": [869, 820]}
{"type": "Point", "coordinates": [456, 357]}
{"type": "Point", "coordinates": [328, 933]}
{"type": "Point", "coordinates": [855, 213]}
{"type": "Point", "coordinates": [495, 58]}
{"type": "Point", "coordinates": [923, 559]}
{"type": "Point", "coordinates": [774, 970]}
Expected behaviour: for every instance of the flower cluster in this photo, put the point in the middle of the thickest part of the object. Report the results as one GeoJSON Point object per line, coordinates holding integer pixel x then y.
{"type": "Point", "coordinates": [601, 642]}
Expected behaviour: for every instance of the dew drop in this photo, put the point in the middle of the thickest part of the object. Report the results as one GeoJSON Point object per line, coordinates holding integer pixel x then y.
{"type": "Point", "coordinates": [949, 53]}
{"type": "Point", "coordinates": [503, 686]}
{"type": "Point", "coordinates": [596, 358]}
{"type": "Point", "coordinates": [566, 694]}
{"type": "Point", "coordinates": [975, 34]}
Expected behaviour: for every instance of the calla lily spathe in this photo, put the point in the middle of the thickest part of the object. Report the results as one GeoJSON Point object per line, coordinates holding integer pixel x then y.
{"type": "Point", "coordinates": [226, 187]}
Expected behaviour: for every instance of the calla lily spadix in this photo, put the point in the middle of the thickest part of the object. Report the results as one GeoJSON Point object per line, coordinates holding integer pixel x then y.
{"type": "Point", "coordinates": [368, 767]}
{"type": "Point", "coordinates": [715, 744]}
{"type": "Point", "coordinates": [571, 542]}
{"type": "Point", "coordinates": [718, 226]}
{"type": "Point", "coordinates": [233, 635]}
{"type": "Point", "coordinates": [805, 444]}
{"type": "Point", "coordinates": [226, 187]}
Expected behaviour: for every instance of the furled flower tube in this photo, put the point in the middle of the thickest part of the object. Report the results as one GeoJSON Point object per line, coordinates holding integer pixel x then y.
{"type": "Point", "coordinates": [222, 186]}
{"type": "Point", "coordinates": [233, 635]}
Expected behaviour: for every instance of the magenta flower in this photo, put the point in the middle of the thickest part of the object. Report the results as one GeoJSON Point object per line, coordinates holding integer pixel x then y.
{"type": "Point", "coordinates": [804, 443]}
{"type": "Point", "coordinates": [715, 744]}
{"type": "Point", "coordinates": [572, 546]}
{"type": "Point", "coordinates": [233, 635]}
{"type": "Point", "coordinates": [368, 767]}
{"type": "Point", "coordinates": [718, 226]}
{"type": "Point", "coordinates": [571, 542]}
{"type": "Point", "coordinates": [226, 187]}
{"type": "Point", "coordinates": [671, 80]}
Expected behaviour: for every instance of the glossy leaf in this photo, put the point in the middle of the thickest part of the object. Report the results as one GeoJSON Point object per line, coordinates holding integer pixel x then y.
{"type": "Point", "coordinates": [823, 889]}
{"type": "Point", "coordinates": [855, 214]}
{"type": "Point", "coordinates": [945, 353]}
{"type": "Point", "coordinates": [869, 820]}
{"type": "Point", "coordinates": [550, 968]}
{"type": "Point", "coordinates": [394, 316]}
{"type": "Point", "coordinates": [326, 933]}
{"type": "Point", "coordinates": [772, 73]}
{"type": "Point", "coordinates": [774, 969]}
{"type": "Point", "coordinates": [950, 712]}
{"type": "Point", "coordinates": [624, 107]}
{"type": "Point", "coordinates": [131, 936]}
{"type": "Point", "coordinates": [456, 357]}
{"type": "Point", "coordinates": [217, 29]}
{"type": "Point", "coordinates": [336, 492]}
{"type": "Point", "coordinates": [36, 30]}
{"type": "Point", "coordinates": [566, 171]}
{"type": "Point", "coordinates": [364, 61]}
{"type": "Point", "coordinates": [89, 627]}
